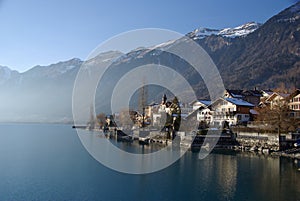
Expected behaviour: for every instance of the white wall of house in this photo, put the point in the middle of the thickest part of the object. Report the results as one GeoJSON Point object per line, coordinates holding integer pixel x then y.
{"type": "Point", "coordinates": [205, 115]}
{"type": "Point", "coordinates": [275, 99]}
{"type": "Point", "coordinates": [218, 120]}
{"type": "Point", "coordinates": [156, 119]}
{"type": "Point", "coordinates": [227, 111]}
{"type": "Point", "coordinates": [294, 103]}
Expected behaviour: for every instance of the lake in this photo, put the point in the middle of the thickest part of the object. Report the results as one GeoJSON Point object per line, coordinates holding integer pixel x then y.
{"type": "Point", "coordinates": [48, 162]}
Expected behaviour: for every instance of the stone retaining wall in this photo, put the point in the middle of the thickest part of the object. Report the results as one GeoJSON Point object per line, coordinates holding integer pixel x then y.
{"type": "Point", "coordinates": [258, 141]}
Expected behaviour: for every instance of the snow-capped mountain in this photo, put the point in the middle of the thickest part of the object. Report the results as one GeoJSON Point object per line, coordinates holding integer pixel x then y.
{"type": "Point", "coordinates": [268, 56]}
{"type": "Point", "coordinates": [239, 31]}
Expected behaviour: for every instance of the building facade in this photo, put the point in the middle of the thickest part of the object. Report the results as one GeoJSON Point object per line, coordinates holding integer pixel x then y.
{"type": "Point", "coordinates": [232, 110]}
{"type": "Point", "coordinates": [294, 103]}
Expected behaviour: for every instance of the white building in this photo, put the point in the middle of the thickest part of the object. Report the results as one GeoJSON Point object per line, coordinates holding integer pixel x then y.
{"type": "Point", "coordinates": [203, 111]}
{"type": "Point", "coordinates": [274, 99]}
{"type": "Point", "coordinates": [205, 115]}
{"type": "Point", "coordinates": [294, 103]}
{"type": "Point", "coordinates": [200, 103]}
{"type": "Point", "coordinates": [232, 110]}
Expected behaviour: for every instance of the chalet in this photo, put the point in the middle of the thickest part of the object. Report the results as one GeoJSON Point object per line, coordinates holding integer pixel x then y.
{"type": "Point", "coordinates": [157, 112]}
{"type": "Point", "coordinates": [294, 103]}
{"type": "Point", "coordinates": [233, 94]}
{"type": "Point", "coordinates": [233, 110]}
{"type": "Point", "coordinates": [200, 103]}
{"type": "Point", "coordinates": [274, 99]}
{"type": "Point", "coordinates": [205, 115]}
{"type": "Point", "coordinates": [251, 96]}
{"type": "Point", "coordinates": [266, 93]}
{"type": "Point", "coordinates": [154, 111]}
{"type": "Point", "coordinates": [201, 111]}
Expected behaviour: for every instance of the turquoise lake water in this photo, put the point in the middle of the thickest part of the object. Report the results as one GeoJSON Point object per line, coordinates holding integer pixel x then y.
{"type": "Point", "coordinates": [48, 162]}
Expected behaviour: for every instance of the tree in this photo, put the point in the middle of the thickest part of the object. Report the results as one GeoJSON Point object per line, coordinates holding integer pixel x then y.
{"type": "Point", "coordinates": [126, 118]}
{"type": "Point", "coordinates": [101, 119]}
{"type": "Point", "coordinates": [278, 118]}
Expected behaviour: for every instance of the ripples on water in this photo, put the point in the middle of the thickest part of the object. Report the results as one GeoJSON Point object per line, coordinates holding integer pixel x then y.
{"type": "Point", "coordinates": [48, 162]}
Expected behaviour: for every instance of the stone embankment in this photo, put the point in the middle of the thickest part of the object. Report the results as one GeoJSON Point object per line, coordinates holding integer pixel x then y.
{"type": "Point", "coordinates": [290, 153]}
{"type": "Point", "coordinates": [250, 141]}
{"type": "Point", "coordinates": [268, 143]}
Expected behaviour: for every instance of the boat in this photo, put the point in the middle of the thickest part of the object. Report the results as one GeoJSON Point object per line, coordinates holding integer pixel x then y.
{"type": "Point", "coordinates": [144, 140]}
{"type": "Point", "coordinates": [297, 143]}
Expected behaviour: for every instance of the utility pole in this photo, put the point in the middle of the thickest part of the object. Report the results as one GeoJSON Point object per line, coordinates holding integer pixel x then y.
{"type": "Point", "coordinates": [143, 97]}
{"type": "Point", "coordinates": [92, 117]}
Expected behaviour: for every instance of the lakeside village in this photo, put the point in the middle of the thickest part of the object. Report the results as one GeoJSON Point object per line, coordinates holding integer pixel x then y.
{"type": "Point", "coordinates": [264, 121]}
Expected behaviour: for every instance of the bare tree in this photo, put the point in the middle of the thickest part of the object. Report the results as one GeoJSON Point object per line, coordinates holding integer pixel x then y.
{"type": "Point", "coordinates": [126, 118]}
{"type": "Point", "coordinates": [101, 119]}
{"type": "Point", "coordinates": [278, 118]}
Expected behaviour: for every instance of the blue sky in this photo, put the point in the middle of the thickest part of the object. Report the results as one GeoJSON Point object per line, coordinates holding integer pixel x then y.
{"type": "Point", "coordinates": [35, 32]}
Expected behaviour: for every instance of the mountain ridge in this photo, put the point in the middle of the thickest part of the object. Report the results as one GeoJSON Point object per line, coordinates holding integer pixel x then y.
{"type": "Point", "coordinates": [263, 57]}
{"type": "Point", "coordinates": [239, 31]}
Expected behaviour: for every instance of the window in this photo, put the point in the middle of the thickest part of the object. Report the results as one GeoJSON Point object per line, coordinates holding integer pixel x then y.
{"type": "Point", "coordinates": [239, 117]}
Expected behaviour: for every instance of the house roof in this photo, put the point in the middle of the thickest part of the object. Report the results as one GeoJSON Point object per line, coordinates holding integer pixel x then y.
{"type": "Point", "coordinates": [235, 101]}
{"type": "Point", "coordinates": [239, 102]}
{"type": "Point", "coordinates": [284, 95]}
{"type": "Point", "coordinates": [153, 104]}
{"type": "Point", "coordinates": [275, 94]}
{"type": "Point", "coordinates": [252, 93]}
{"type": "Point", "coordinates": [295, 93]}
{"type": "Point", "coordinates": [268, 91]}
{"type": "Point", "coordinates": [242, 93]}
{"type": "Point", "coordinates": [235, 93]}
{"type": "Point", "coordinates": [204, 102]}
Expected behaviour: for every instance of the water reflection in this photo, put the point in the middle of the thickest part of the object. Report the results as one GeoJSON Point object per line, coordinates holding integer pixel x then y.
{"type": "Point", "coordinates": [35, 158]}
{"type": "Point", "coordinates": [247, 176]}
{"type": "Point", "coordinates": [123, 160]}
{"type": "Point", "coordinates": [220, 171]}
{"type": "Point", "coordinates": [223, 175]}
{"type": "Point", "coordinates": [290, 176]}
{"type": "Point", "coordinates": [260, 173]}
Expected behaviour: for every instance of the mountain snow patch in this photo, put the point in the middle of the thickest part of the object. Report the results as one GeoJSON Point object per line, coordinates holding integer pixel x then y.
{"type": "Point", "coordinates": [239, 31]}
